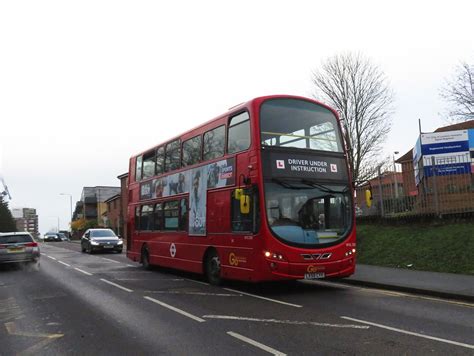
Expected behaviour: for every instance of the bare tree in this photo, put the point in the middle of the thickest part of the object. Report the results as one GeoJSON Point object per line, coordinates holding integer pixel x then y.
{"type": "Point", "coordinates": [360, 92]}
{"type": "Point", "coordinates": [459, 93]}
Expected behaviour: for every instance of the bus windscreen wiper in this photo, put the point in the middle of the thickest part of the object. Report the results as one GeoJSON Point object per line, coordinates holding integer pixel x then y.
{"type": "Point", "coordinates": [288, 185]}
{"type": "Point", "coordinates": [324, 188]}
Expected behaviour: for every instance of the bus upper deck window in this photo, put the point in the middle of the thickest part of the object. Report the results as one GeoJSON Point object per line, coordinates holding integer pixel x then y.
{"type": "Point", "coordinates": [239, 133]}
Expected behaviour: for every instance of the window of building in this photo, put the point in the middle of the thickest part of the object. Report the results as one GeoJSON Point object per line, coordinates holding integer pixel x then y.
{"type": "Point", "coordinates": [171, 215]}
{"type": "Point", "coordinates": [192, 151]}
{"type": "Point", "coordinates": [214, 143]}
{"type": "Point", "coordinates": [173, 155]}
{"type": "Point", "coordinates": [239, 133]}
{"type": "Point", "coordinates": [160, 160]}
{"type": "Point", "coordinates": [148, 170]}
{"type": "Point", "coordinates": [146, 220]}
{"type": "Point", "coordinates": [158, 217]}
{"type": "Point", "coordinates": [138, 169]}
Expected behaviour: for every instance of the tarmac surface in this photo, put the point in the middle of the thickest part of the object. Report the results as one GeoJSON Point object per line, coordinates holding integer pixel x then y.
{"type": "Point", "coordinates": [444, 285]}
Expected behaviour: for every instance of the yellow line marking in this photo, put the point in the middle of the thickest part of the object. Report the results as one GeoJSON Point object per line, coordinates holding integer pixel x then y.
{"type": "Point", "coordinates": [11, 329]}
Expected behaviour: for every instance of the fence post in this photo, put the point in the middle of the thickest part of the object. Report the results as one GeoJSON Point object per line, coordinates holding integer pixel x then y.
{"type": "Point", "coordinates": [380, 192]}
{"type": "Point", "coordinates": [435, 188]}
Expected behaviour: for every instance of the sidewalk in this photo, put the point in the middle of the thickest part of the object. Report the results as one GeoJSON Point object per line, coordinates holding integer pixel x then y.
{"type": "Point", "coordinates": [444, 285]}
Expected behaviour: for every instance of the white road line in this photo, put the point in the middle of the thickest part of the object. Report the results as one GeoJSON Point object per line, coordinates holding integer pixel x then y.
{"type": "Point", "coordinates": [256, 344]}
{"type": "Point", "coordinates": [108, 259]}
{"type": "Point", "coordinates": [64, 263]}
{"type": "Point", "coordinates": [182, 312]}
{"type": "Point", "coordinates": [199, 282]}
{"type": "Point", "coordinates": [51, 257]}
{"type": "Point", "coordinates": [116, 285]}
{"type": "Point", "coordinates": [193, 293]}
{"type": "Point", "coordinates": [80, 270]}
{"type": "Point", "coordinates": [131, 265]}
{"type": "Point", "coordinates": [268, 299]}
{"type": "Point", "coordinates": [290, 322]}
{"type": "Point", "coordinates": [410, 333]}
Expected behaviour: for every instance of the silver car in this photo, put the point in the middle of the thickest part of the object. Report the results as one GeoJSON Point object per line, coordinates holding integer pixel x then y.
{"type": "Point", "coordinates": [101, 240]}
{"type": "Point", "coordinates": [18, 247]}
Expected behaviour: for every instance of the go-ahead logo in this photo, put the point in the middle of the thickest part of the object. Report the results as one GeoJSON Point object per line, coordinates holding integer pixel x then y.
{"type": "Point", "coordinates": [235, 260]}
{"type": "Point", "coordinates": [313, 268]}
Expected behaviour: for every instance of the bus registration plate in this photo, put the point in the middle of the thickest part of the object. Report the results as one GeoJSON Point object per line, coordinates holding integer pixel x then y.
{"type": "Point", "coordinates": [314, 275]}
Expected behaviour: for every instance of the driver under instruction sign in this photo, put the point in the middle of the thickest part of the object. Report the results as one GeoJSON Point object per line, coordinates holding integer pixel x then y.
{"type": "Point", "coordinates": [289, 165]}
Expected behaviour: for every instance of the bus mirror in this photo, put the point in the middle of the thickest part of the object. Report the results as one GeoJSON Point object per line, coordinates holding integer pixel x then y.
{"type": "Point", "coordinates": [244, 204]}
{"type": "Point", "coordinates": [368, 198]}
{"type": "Point", "coordinates": [238, 193]}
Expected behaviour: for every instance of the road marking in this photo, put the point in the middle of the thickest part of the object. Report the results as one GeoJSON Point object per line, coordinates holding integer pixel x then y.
{"type": "Point", "coordinates": [51, 257]}
{"type": "Point", "coordinates": [290, 322]}
{"type": "Point", "coordinates": [193, 293]}
{"type": "Point", "coordinates": [268, 299]}
{"type": "Point", "coordinates": [182, 312]}
{"type": "Point", "coordinates": [108, 259]}
{"type": "Point", "coordinates": [64, 263]}
{"type": "Point", "coordinates": [199, 282]}
{"type": "Point", "coordinates": [11, 329]}
{"type": "Point", "coordinates": [80, 270]}
{"type": "Point", "coordinates": [256, 344]}
{"type": "Point", "coordinates": [132, 265]}
{"type": "Point", "coordinates": [116, 285]}
{"type": "Point", "coordinates": [410, 333]}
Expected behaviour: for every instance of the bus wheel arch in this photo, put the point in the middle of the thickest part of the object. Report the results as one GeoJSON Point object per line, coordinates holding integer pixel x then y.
{"type": "Point", "coordinates": [145, 256]}
{"type": "Point", "coordinates": [212, 266]}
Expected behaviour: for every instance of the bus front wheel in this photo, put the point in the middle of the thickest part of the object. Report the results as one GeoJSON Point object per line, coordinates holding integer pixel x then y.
{"type": "Point", "coordinates": [213, 268]}
{"type": "Point", "coordinates": [145, 258]}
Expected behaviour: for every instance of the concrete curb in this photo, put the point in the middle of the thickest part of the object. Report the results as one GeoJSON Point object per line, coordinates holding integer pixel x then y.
{"type": "Point", "coordinates": [419, 291]}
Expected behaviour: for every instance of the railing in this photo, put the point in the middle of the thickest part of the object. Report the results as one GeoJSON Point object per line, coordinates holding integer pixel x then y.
{"type": "Point", "coordinates": [435, 187]}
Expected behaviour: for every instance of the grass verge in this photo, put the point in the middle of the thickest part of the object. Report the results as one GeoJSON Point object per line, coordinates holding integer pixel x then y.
{"type": "Point", "coordinates": [427, 247]}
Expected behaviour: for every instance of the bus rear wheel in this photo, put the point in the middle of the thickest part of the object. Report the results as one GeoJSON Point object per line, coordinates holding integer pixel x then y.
{"type": "Point", "coordinates": [213, 268]}
{"type": "Point", "coordinates": [145, 258]}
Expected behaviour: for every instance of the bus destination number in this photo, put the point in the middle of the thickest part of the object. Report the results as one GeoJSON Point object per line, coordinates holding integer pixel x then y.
{"type": "Point", "coordinates": [314, 275]}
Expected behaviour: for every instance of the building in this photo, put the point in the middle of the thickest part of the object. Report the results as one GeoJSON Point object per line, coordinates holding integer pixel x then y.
{"type": "Point", "coordinates": [123, 204]}
{"type": "Point", "coordinates": [92, 205]}
{"type": "Point", "coordinates": [112, 215]}
{"type": "Point", "coordinates": [26, 219]}
{"type": "Point", "coordinates": [438, 172]}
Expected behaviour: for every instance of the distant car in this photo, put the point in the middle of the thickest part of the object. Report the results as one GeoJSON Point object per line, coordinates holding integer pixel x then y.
{"type": "Point", "coordinates": [52, 236]}
{"type": "Point", "coordinates": [101, 240]}
{"type": "Point", "coordinates": [63, 236]}
{"type": "Point", "coordinates": [18, 247]}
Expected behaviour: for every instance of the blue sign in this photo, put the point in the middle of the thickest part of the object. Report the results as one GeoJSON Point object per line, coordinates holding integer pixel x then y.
{"type": "Point", "coordinates": [444, 147]}
{"type": "Point", "coordinates": [447, 169]}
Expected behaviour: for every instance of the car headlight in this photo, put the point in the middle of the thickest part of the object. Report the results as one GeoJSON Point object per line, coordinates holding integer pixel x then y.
{"type": "Point", "coordinates": [95, 243]}
{"type": "Point", "coordinates": [120, 242]}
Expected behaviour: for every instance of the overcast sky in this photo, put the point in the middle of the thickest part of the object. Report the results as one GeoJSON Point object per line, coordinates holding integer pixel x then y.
{"type": "Point", "coordinates": [86, 84]}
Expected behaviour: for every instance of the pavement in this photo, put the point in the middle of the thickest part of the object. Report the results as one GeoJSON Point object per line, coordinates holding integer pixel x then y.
{"type": "Point", "coordinates": [443, 285]}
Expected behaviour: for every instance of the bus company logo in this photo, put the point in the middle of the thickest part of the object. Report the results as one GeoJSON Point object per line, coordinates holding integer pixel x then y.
{"type": "Point", "coordinates": [280, 164]}
{"type": "Point", "coordinates": [236, 260]}
{"type": "Point", "coordinates": [173, 250]}
{"type": "Point", "coordinates": [333, 168]}
{"type": "Point", "coordinates": [313, 268]}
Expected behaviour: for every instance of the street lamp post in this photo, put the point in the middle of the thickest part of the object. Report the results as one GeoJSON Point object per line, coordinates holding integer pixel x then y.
{"type": "Point", "coordinates": [70, 204]}
{"type": "Point", "coordinates": [395, 183]}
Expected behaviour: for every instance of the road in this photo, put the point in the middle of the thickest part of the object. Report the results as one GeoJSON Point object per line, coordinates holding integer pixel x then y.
{"type": "Point", "coordinates": [104, 304]}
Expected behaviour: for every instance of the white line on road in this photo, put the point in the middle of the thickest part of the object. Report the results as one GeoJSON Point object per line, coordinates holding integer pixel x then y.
{"type": "Point", "coordinates": [256, 344]}
{"type": "Point", "coordinates": [116, 285]}
{"type": "Point", "coordinates": [132, 265]}
{"type": "Point", "coordinates": [260, 297]}
{"type": "Point", "coordinates": [80, 270]}
{"type": "Point", "coordinates": [193, 293]}
{"type": "Point", "coordinates": [108, 259]}
{"type": "Point", "coordinates": [199, 282]}
{"type": "Point", "coordinates": [51, 257]}
{"type": "Point", "coordinates": [410, 333]}
{"type": "Point", "coordinates": [64, 263]}
{"type": "Point", "coordinates": [290, 322]}
{"type": "Point", "coordinates": [182, 312]}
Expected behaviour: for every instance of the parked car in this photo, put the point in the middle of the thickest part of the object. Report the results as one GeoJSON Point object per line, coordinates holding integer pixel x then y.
{"type": "Point", "coordinates": [18, 247]}
{"type": "Point", "coordinates": [101, 240]}
{"type": "Point", "coordinates": [52, 236]}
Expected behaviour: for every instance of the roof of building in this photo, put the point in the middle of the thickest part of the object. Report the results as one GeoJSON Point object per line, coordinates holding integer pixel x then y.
{"type": "Point", "coordinates": [112, 198]}
{"type": "Point", "coordinates": [124, 175]}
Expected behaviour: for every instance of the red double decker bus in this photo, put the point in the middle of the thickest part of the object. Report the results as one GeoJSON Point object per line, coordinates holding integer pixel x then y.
{"type": "Point", "coordinates": [260, 193]}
